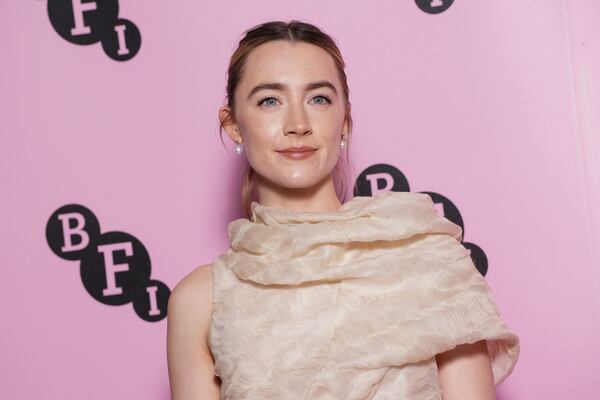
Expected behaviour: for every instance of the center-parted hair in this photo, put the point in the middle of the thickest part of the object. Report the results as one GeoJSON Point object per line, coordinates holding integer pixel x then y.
{"type": "Point", "coordinates": [293, 31]}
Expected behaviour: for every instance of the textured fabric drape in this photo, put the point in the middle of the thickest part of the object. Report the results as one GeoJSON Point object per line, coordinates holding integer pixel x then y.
{"type": "Point", "coordinates": [351, 304]}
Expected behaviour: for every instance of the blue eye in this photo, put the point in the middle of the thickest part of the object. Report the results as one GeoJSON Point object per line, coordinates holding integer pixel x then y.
{"type": "Point", "coordinates": [266, 98]}
{"type": "Point", "coordinates": [325, 97]}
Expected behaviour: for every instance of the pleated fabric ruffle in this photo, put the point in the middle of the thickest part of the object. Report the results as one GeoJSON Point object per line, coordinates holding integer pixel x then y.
{"type": "Point", "coordinates": [352, 304]}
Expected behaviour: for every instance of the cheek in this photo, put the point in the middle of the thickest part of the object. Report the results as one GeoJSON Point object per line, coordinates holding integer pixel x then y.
{"type": "Point", "coordinates": [260, 138]}
{"type": "Point", "coordinates": [334, 153]}
{"type": "Point", "coordinates": [335, 137]}
{"type": "Point", "coordinates": [333, 128]}
{"type": "Point", "coordinates": [255, 129]}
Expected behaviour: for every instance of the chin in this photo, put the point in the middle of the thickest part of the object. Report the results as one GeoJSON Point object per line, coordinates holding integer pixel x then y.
{"type": "Point", "coordinates": [295, 182]}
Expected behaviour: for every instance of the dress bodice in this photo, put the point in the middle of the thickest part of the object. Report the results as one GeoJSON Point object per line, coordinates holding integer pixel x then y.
{"type": "Point", "coordinates": [352, 304]}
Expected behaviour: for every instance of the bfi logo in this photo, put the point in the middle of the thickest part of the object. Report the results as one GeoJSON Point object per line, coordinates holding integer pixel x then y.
{"type": "Point", "coordinates": [90, 22]}
{"type": "Point", "coordinates": [114, 266]}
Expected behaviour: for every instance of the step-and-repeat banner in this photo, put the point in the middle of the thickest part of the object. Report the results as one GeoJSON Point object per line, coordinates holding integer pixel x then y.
{"type": "Point", "coordinates": [115, 183]}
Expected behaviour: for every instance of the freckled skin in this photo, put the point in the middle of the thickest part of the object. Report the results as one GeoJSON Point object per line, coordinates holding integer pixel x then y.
{"type": "Point", "coordinates": [293, 116]}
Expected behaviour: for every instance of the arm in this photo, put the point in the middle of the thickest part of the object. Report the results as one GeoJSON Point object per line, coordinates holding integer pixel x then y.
{"type": "Point", "coordinates": [190, 362]}
{"type": "Point", "coordinates": [466, 373]}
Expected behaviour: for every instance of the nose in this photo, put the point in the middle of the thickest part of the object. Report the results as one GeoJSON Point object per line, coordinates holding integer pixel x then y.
{"type": "Point", "coordinates": [297, 122]}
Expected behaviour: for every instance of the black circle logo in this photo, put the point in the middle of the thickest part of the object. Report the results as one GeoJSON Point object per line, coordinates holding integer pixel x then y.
{"type": "Point", "coordinates": [71, 230]}
{"type": "Point", "coordinates": [380, 178]}
{"type": "Point", "coordinates": [114, 267]}
{"type": "Point", "coordinates": [434, 6]}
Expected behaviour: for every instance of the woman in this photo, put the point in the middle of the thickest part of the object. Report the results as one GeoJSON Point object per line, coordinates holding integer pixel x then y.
{"type": "Point", "coordinates": [374, 298]}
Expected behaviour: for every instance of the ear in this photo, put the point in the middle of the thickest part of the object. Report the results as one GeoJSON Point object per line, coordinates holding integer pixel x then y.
{"type": "Point", "coordinates": [229, 124]}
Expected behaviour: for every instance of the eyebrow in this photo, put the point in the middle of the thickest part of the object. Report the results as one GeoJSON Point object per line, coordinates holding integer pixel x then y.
{"type": "Point", "coordinates": [283, 86]}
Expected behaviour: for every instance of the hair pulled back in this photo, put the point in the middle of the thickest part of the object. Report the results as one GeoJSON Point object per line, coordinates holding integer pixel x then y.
{"type": "Point", "coordinates": [293, 31]}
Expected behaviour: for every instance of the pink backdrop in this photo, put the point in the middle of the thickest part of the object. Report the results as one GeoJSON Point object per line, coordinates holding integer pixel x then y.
{"type": "Point", "coordinates": [493, 104]}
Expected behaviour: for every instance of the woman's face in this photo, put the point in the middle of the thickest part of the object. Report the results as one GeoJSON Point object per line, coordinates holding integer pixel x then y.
{"type": "Point", "coordinates": [290, 96]}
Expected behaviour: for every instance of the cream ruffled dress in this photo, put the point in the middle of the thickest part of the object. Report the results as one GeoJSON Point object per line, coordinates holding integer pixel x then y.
{"type": "Point", "coordinates": [349, 305]}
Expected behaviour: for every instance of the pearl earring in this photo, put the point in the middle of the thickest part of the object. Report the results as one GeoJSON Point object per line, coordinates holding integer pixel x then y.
{"type": "Point", "coordinates": [343, 142]}
{"type": "Point", "coordinates": [238, 148]}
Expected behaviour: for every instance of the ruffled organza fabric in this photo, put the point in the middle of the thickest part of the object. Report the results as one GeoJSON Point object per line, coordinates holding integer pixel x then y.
{"type": "Point", "coordinates": [348, 305]}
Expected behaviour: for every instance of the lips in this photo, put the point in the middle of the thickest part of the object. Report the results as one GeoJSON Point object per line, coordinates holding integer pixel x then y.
{"type": "Point", "coordinates": [298, 153]}
{"type": "Point", "coordinates": [297, 149]}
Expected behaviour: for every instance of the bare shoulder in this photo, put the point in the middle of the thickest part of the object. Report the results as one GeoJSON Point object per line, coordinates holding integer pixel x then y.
{"type": "Point", "coordinates": [199, 278]}
{"type": "Point", "coordinates": [190, 302]}
{"type": "Point", "coordinates": [190, 361]}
